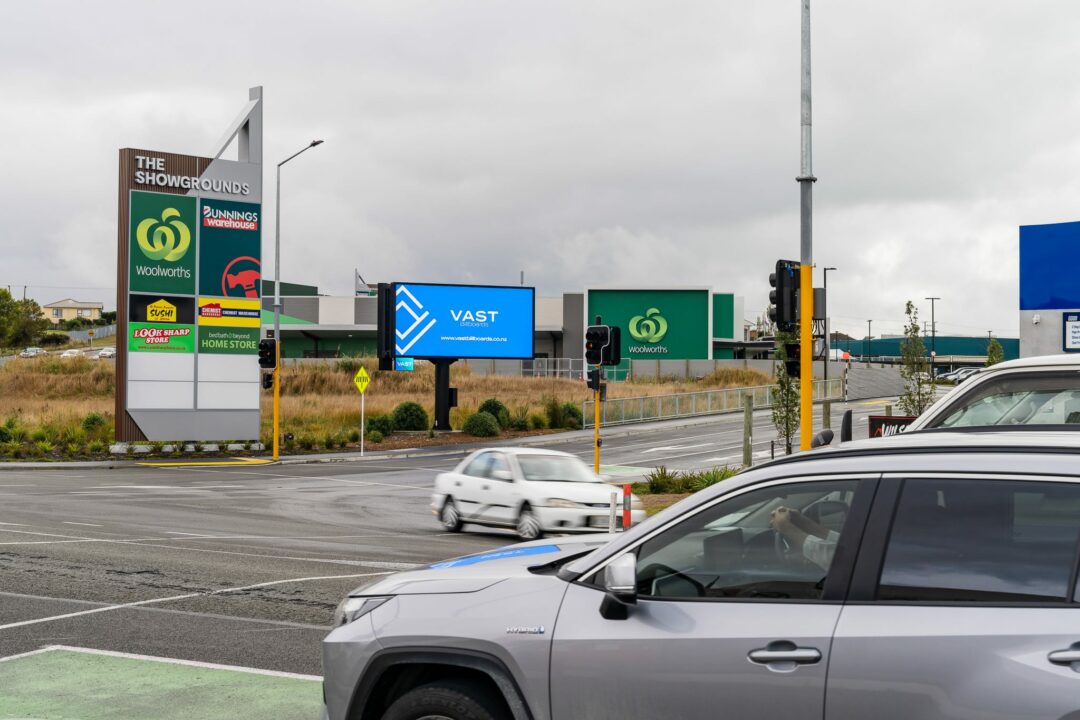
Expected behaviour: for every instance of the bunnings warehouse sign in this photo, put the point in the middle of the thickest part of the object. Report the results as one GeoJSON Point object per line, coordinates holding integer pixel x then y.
{"type": "Point", "coordinates": [189, 283]}
{"type": "Point", "coordinates": [657, 324]}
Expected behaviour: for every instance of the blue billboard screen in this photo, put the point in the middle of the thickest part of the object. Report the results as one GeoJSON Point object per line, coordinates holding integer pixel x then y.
{"type": "Point", "coordinates": [463, 321]}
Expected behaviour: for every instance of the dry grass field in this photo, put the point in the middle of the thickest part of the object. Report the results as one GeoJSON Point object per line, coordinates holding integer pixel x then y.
{"type": "Point", "coordinates": [51, 397]}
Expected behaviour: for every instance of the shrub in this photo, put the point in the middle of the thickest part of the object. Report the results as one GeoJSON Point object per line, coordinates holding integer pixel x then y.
{"type": "Point", "coordinates": [497, 410]}
{"type": "Point", "coordinates": [572, 424]}
{"type": "Point", "coordinates": [12, 449]}
{"type": "Point", "coordinates": [383, 423]}
{"type": "Point", "coordinates": [410, 416]}
{"type": "Point", "coordinates": [537, 422]}
{"type": "Point", "coordinates": [39, 435]}
{"type": "Point", "coordinates": [556, 418]}
{"type": "Point", "coordinates": [72, 449]}
{"type": "Point", "coordinates": [53, 339]}
{"type": "Point", "coordinates": [520, 419]}
{"type": "Point", "coordinates": [91, 421]}
{"type": "Point", "coordinates": [307, 442]}
{"type": "Point", "coordinates": [662, 481]}
{"type": "Point", "coordinates": [96, 447]}
{"type": "Point", "coordinates": [329, 441]}
{"type": "Point", "coordinates": [5, 434]}
{"type": "Point", "coordinates": [375, 437]}
{"type": "Point", "coordinates": [290, 445]}
{"type": "Point", "coordinates": [354, 435]}
{"type": "Point", "coordinates": [481, 424]}
{"type": "Point", "coordinates": [707, 478]}
{"type": "Point", "coordinates": [155, 447]}
{"type": "Point", "coordinates": [349, 365]}
{"type": "Point", "coordinates": [572, 411]}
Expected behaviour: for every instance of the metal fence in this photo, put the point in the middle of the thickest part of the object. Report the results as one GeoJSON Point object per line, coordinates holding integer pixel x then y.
{"type": "Point", "coordinates": [99, 332]}
{"type": "Point", "coordinates": [618, 411]}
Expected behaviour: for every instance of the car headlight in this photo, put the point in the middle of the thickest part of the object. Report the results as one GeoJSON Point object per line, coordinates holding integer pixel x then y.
{"type": "Point", "coordinates": [354, 608]}
{"type": "Point", "coordinates": [563, 503]}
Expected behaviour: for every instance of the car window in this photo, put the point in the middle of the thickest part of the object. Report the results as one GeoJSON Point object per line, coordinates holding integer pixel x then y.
{"type": "Point", "coordinates": [479, 465]}
{"type": "Point", "coordinates": [776, 542]}
{"type": "Point", "coordinates": [1050, 398]}
{"type": "Point", "coordinates": [498, 462]}
{"type": "Point", "coordinates": [555, 468]}
{"type": "Point", "coordinates": [982, 541]}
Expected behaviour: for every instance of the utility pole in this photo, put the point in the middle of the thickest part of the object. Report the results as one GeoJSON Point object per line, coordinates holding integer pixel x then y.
{"type": "Point", "coordinates": [828, 345]}
{"type": "Point", "coordinates": [933, 337]}
{"type": "Point", "coordinates": [869, 340]}
{"type": "Point", "coordinates": [806, 181]}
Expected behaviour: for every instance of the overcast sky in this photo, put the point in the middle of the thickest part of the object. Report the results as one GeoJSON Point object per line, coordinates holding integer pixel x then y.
{"type": "Point", "coordinates": [586, 143]}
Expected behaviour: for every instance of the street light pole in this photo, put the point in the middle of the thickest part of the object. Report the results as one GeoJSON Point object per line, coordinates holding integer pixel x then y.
{"type": "Point", "coordinates": [806, 181]}
{"type": "Point", "coordinates": [825, 314]}
{"type": "Point", "coordinates": [933, 337]}
{"type": "Point", "coordinates": [277, 300]}
{"type": "Point", "coordinates": [869, 341]}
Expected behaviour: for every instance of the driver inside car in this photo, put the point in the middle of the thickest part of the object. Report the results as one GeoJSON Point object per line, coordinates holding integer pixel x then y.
{"type": "Point", "coordinates": [817, 544]}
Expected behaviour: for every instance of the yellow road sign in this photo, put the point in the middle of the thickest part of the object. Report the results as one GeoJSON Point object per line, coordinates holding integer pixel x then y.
{"type": "Point", "coordinates": [361, 379]}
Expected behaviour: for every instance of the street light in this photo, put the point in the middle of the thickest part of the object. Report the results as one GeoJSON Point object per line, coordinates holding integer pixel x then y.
{"type": "Point", "coordinates": [933, 336]}
{"type": "Point", "coordinates": [825, 314]}
{"type": "Point", "coordinates": [869, 341]}
{"type": "Point", "coordinates": [277, 297]}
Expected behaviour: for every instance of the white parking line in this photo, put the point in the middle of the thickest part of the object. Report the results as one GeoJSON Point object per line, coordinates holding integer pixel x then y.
{"type": "Point", "coordinates": [154, 601]}
{"type": "Point", "coordinates": [170, 661]}
{"type": "Point", "coordinates": [68, 522]}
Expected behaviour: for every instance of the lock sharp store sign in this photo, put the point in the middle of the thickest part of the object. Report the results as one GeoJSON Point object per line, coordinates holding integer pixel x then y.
{"type": "Point", "coordinates": [189, 284]}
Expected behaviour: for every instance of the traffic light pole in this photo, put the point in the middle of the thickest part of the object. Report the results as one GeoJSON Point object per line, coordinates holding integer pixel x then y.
{"type": "Point", "coordinates": [596, 429]}
{"type": "Point", "coordinates": [277, 396]}
{"type": "Point", "coordinates": [806, 271]}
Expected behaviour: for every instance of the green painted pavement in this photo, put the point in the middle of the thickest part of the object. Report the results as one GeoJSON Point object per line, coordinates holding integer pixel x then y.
{"type": "Point", "coordinates": [66, 684]}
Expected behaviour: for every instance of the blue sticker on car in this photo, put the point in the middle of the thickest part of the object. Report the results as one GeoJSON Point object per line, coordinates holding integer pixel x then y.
{"type": "Point", "coordinates": [497, 555]}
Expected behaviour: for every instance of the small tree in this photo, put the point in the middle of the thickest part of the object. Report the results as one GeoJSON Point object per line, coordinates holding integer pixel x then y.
{"type": "Point", "coordinates": [785, 396]}
{"type": "Point", "coordinates": [994, 352]}
{"type": "Point", "coordinates": [915, 366]}
{"type": "Point", "coordinates": [27, 324]}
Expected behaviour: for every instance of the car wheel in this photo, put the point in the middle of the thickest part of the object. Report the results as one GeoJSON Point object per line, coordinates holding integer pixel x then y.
{"type": "Point", "coordinates": [447, 701]}
{"type": "Point", "coordinates": [528, 525]}
{"type": "Point", "coordinates": [450, 517]}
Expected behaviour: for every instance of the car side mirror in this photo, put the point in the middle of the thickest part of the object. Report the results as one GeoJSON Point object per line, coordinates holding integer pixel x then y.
{"type": "Point", "coordinates": [503, 475]}
{"type": "Point", "coordinates": [824, 437]}
{"type": "Point", "coordinates": [620, 587]}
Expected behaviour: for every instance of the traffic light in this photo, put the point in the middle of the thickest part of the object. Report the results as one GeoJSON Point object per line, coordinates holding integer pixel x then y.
{"type": "Point", "coordinates": [595, 375]}
{"type": "Point", "coordinates": [792, 365]}
{"type": "Point", "coordinates": [268, 380]}
{"type": "Point", "coordinates": [597, 337]}
{"type": "Point", "coordinates": [611, 354]}
{"type": "Point", "coordinates": [783, 298]}
{"type": "Point", "coordinates": [268, 354]}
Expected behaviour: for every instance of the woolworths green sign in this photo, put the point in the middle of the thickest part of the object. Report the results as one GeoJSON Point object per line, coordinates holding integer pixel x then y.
{"type": "Point", "coordinates": [161, 243]}
{"type": "Point", "coordinates": [656, 324]}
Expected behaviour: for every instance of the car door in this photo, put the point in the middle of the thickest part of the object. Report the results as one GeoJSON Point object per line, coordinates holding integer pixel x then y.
{"type": "Point", "coordinates": [500, 491]}
{"type": "Point", "coordinates": [465, 486]}
{"type": "Point", "coordinates": [963, 603]}
{"type": "Point", "coordinates": [729, 620]}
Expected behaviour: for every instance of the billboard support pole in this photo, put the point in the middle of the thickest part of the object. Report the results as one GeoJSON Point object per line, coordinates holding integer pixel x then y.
{"type": "Point", "coordinates": [442, 395]}
{"type": "Point", "coordinates": [277, 396]}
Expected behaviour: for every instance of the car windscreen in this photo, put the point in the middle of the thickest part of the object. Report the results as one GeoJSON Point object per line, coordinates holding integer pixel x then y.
{"type": "Point", "coordinates": [554, 468]}
{"type": "Point", "coordinates": [1050, 398]}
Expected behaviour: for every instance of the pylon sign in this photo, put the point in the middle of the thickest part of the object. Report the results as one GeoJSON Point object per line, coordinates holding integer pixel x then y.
{"type": "Point", "coordinates": [188, 290]}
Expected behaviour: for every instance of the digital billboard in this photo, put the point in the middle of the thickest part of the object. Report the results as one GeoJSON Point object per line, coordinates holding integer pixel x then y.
{"type": "Point", "coordinates": [657, 324]}
{"type": "Point", "coordinates": [463, 321]}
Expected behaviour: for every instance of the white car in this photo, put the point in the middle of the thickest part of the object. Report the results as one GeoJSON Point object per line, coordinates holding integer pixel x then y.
{"type": "Point", "coordinates": [1037, 391]}
{"type": "Point", "coordinates": [71, 353]}
{"type": "Point", "coordinates": [106, 354]}
{"type": "Point", "coordinates": [532, 491]}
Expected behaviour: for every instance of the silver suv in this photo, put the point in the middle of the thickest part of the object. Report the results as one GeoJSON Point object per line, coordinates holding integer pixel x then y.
{"type": "Point", "coordinates": [930, 575]}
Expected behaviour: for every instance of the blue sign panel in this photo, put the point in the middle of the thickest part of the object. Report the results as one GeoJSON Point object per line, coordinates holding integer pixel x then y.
{"type": "Point", "coordinates": [403, 364]}
{"type": "Point", "coordinates": [463, 321]}
{"type": "Point", "coordinates": [1047, 278]}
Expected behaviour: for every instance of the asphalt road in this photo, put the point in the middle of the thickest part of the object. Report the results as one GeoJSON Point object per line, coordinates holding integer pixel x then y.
{"type": "Point", "coordinates": [243, 565]}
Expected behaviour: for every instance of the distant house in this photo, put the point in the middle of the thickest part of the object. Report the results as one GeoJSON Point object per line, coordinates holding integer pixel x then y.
{"type": "Point", "coordinates": [70, 309]}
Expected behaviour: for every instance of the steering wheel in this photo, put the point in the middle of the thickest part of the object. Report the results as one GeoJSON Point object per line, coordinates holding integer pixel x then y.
{"type": "Point", "coordinates": [782, 546]}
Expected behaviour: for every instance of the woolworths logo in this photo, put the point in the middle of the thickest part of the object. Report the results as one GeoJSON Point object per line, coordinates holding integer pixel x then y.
{"type": "Point", "coordinates": [166, 239]}
{"type": "Point", "coordinates": [650, 327]}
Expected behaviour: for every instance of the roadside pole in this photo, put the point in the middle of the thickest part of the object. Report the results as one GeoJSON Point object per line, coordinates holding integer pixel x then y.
{"type": "Point", "coordinates": [748, 431]}
{"type": "Point", "coordinates": [806, 181]}
{"type": "Point", "coordinates": [277, 396]}
{"type": "Point", "coordinates": [596, 430]}
{"type": "Point", "coordinates": [361, 379]}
